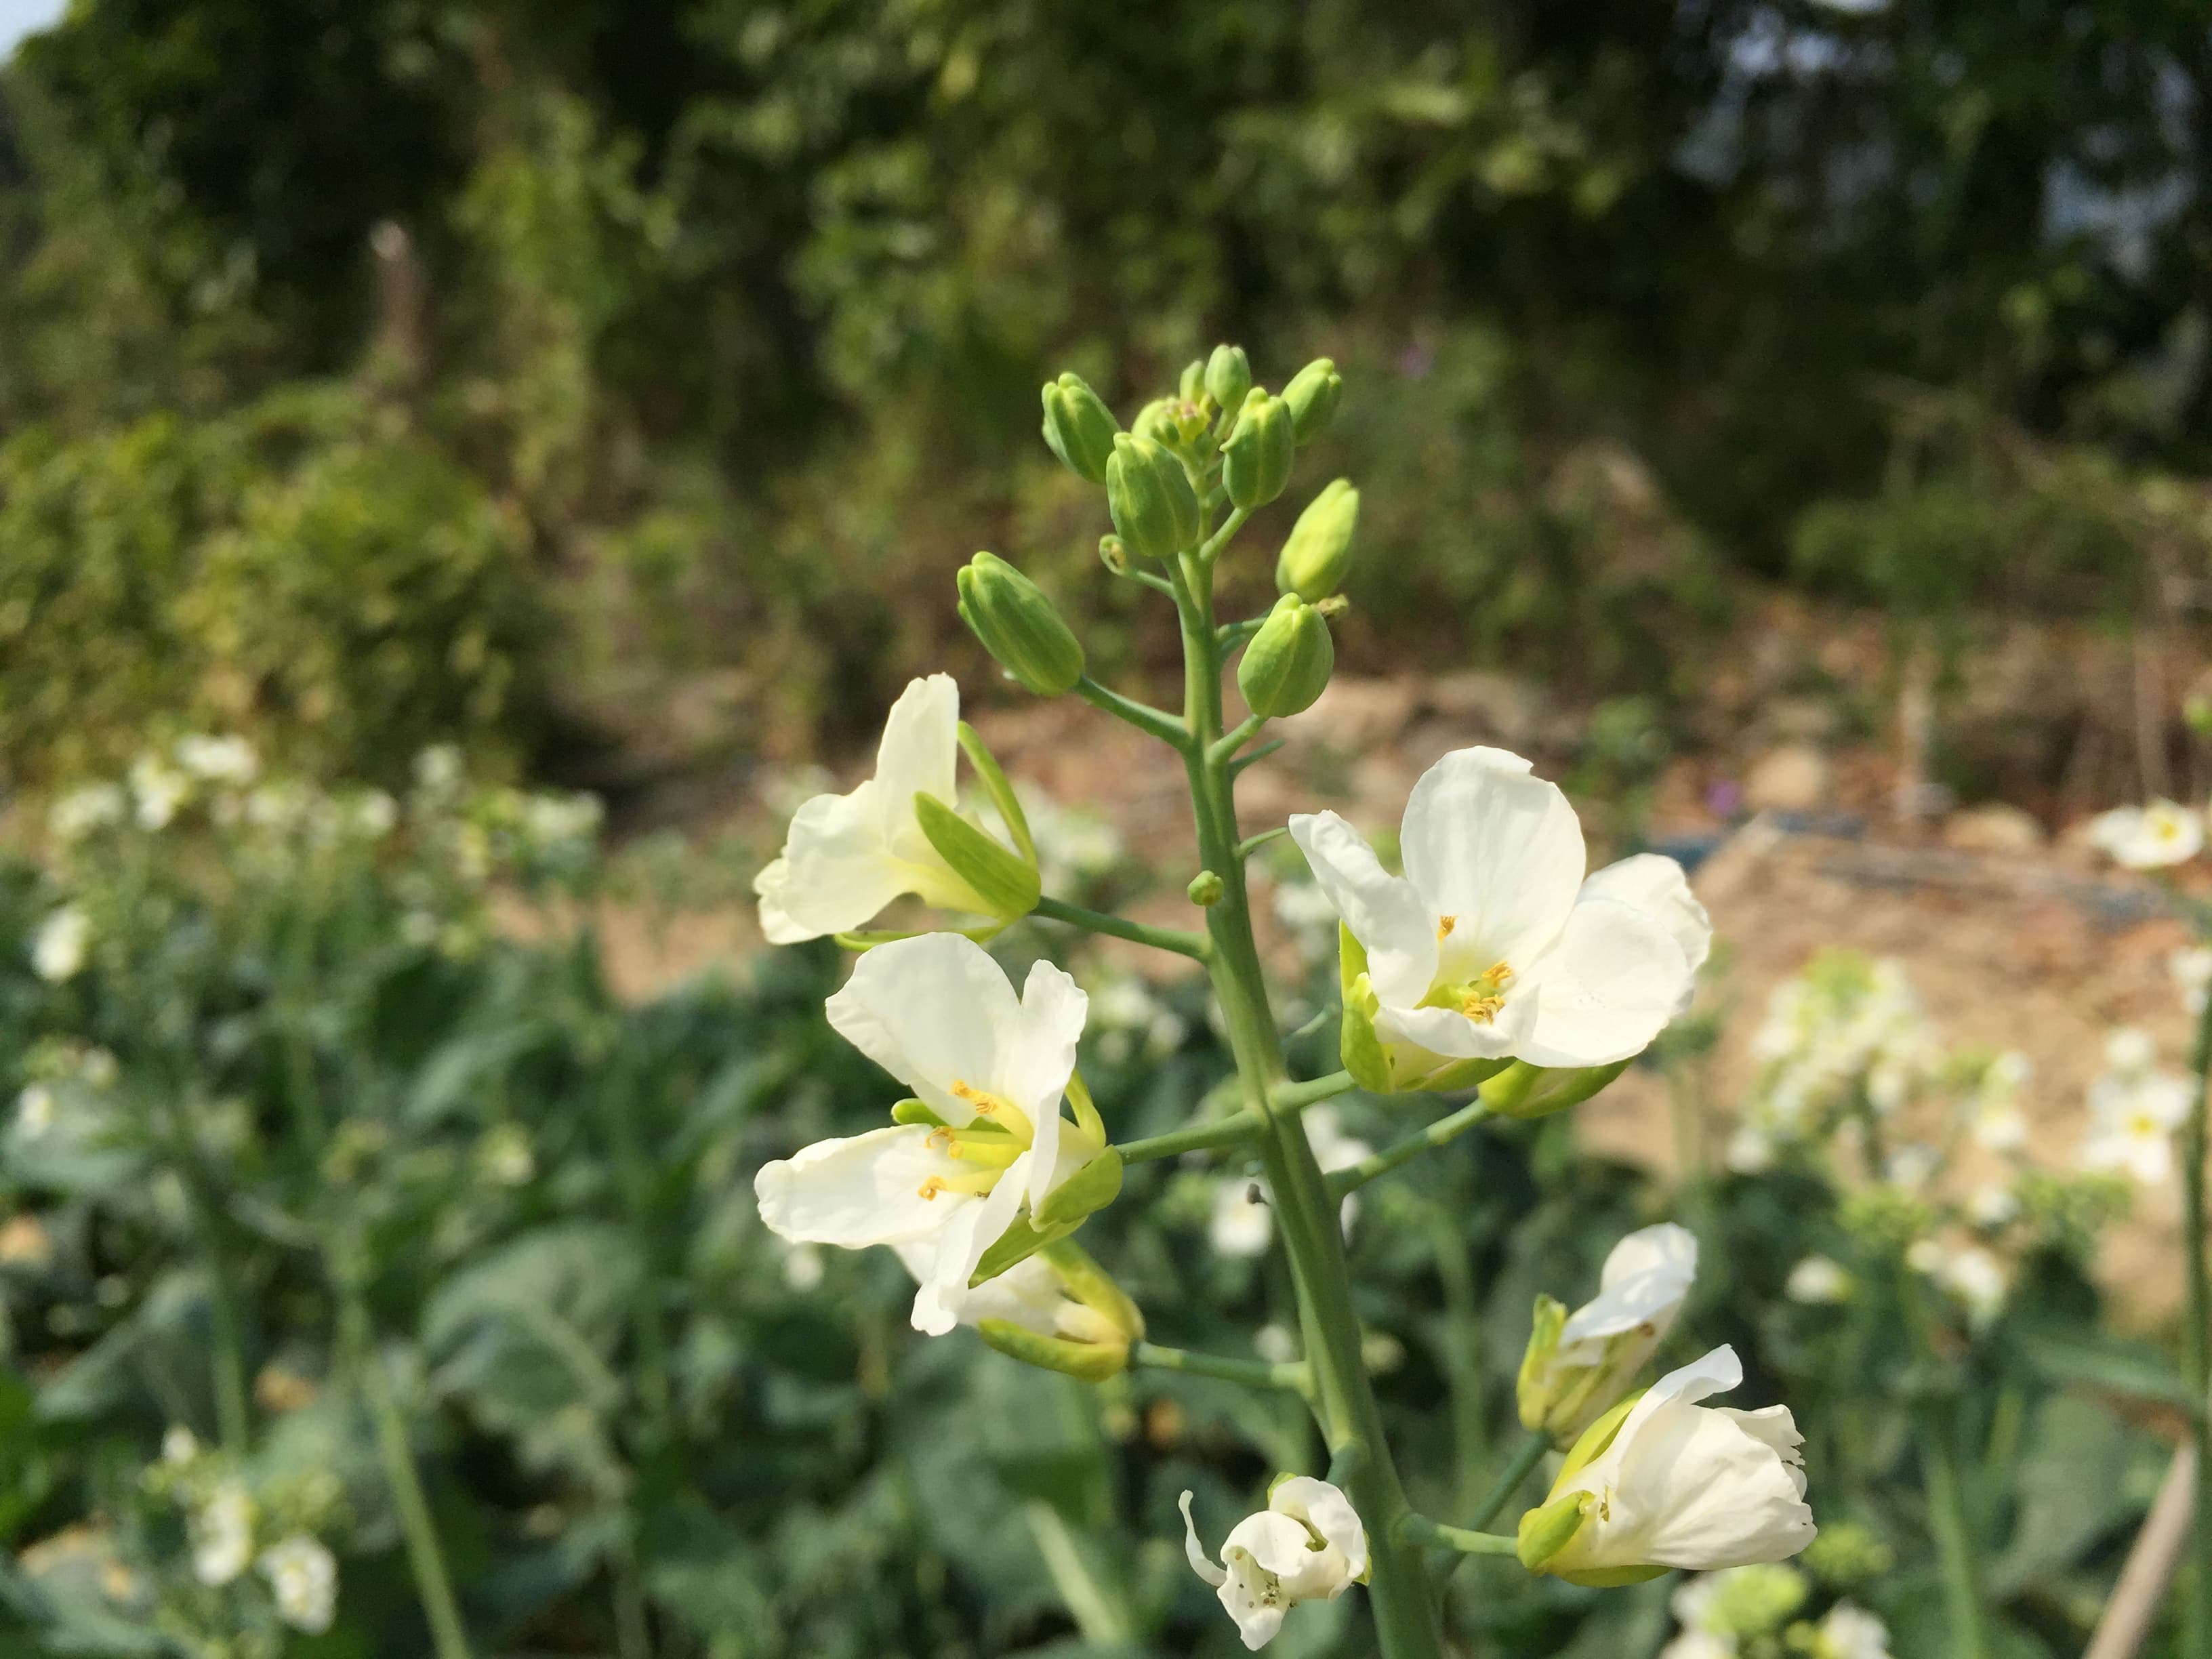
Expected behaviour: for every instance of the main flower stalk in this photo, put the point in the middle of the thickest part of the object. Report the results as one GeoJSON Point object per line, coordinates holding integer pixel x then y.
{"type": "Point", "coordinates": [1398, 1589]}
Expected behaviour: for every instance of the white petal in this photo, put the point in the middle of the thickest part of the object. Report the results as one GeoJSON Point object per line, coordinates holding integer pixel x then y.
{"type": "Point", "coordinates": [919, 752]}
{"type": "Point", "coordinates": [1656, 885]}
{"type": "Point", "coordinates": [1193, 1552]}
{"type": "Point", "coordinates": [972, 1229]}
{"type": "Point", "coordinates": [1606, 989]}
{"type": "Point", "coordinates": [1277, 1541]}
{"type": "Point", "coordinates": [1645, 1279]}
{"type": "Point", "coordinates": [1034, 1070]}
{"type": "Point", "coordinates": [1450, 1034]}
{"type": "Point", "coordinates": [1329, 1512]}
{"type": "Point", "coordinates": [837, 871]}
{"type": "Point", "coordinates": [1496, 850]}
{"type": "Point", "coordinates": [777, 925]}
{"type": "Point", "coordinates": [1384, 912]}
{"type": "Point", "coordinates": [864, 1190]}
{"type": "Point", "coordinates": [1706, 1493]}
{"type": "Point", "coordinates": [933, 1011]}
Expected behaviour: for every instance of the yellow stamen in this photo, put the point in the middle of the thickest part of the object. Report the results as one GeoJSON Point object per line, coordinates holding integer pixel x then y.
{"type": "Point", "coordinates": [931, 1186]}
{"type": "Point", "coordinates": [1444, 925]}
{"type": "Point", "coordinates": [1001, 1112]}
{"type": "Point", "coordinates": [973, 1185]}
{"type": "Point", "coordinates": [1482, 1009]}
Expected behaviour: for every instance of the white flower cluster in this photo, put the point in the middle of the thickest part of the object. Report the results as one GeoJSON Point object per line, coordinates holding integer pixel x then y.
{"type": "Point", "coordinates": [2135, 1108]}
{"type": "Point", "coordinates": [1720, 1613]}
{"type": "Point", "coordinates": [223, 1524]}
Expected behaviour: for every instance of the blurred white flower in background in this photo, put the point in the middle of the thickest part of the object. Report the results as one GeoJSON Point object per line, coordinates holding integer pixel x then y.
{"type": "Point", "coordinates": [1846, 1032]}
{"type": "Point", "coordinates": [1971, 1273]}
{"type": "Point", "coordinates": [2152, 837]}
{"type": "Point", "coordinates": [179, 1444]}
{"type": "Point", "coordinates": [1818, 1280]}
{"type": "Point", "coordinates": [802, 1267]}
{"type": "Point", "coordinates": [158, 790]}
{"type": "Point", "coordinates": [1991, 1207]}
{"type": "Point", "coordinates": [1993, 1116]}
{"type": "Point", "coordinates": [1304, 913]}
{"type": "Point", "coordinates": [2134, 1109]}
{"type": "Point", "coordinates": [303, 1579]}
{"type": "Point", "coordinates": [1076, 846]}
{"type": "Point", "coordinates": [1850, 1632]}
{"type": "Point", "coordinates": [2191, 968]}
{"type": "Point", "coordinates": [1242, 1224]}
{"type": "Point", "coordinates": [34, 1111]}
{"type": "Point", "coordinates": [226, 760]}
{"type": "Point", "coordinates": [222, 1532]}
{"type": "Point", "coordinates": [58, 948]}
{"type": "Point", "coordinates": [1130, 1020]}
{"type": "Point", "coordinates": [91, 806]}
{"type": "Point", "coordinates": [1910, 1166]}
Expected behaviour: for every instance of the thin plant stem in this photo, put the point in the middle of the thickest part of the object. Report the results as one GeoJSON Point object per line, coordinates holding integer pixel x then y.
{"type": "Point", "coordinates": [1143, 716]}
{"type": "Point", "coordinates": [233, 1414]}
{"type": "Point", "coordinates": [1509, 1480]}
{"type": "Point", "coordinates": [1184, 944]}
{"type": "Point", "coordinates": [634, 1173]}
{"type": "Point", "coordinates": [2197, 1348]}
{"type": "Point", "coordinates": [1445, 1129]}
{"type": "Point", "coordinates": [1420, 1530]}
{"type": "Point", "coordinates": [1462, 1354]}
{"type": "Point", "coordinates": [1290, 1375]}
{"type": "Point", "coordinates": [1231, 1131]}
{"type": "Point", "coordinates": [1297, 1096]}
{"type": "Point", "coordinates": [1224, 749]}
{"type": "Point", "coordinates": [1252, 844]}
{"type": "Point", "coordinates": [1253, 757]}
{"type": "Point", "coordinates": [1948, 1517]}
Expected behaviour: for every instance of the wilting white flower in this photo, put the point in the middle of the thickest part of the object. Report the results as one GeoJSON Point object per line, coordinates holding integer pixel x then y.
{"type": "Point", "coordinates": [939, 1014]}
{"type": "Point", "coordinates": [58, 948]}
{"type": "Point", "coordinates": [1578, 1365]}
{"type": "Point", "coordinates": [303, 1577]}
{"type": "Point", "coordinates": [1244, 1223]}
{"type": "Point", "coordinates": [228, 760]}
{"type": "Point", "coordinates": [179, 1444]}
{"type": "Point", "coordinates": [1673, 1483]}
{"type": "Point", "coordinates": [1031, 1294]}
{"type": "Point", "coordinates": [845, 857]}
{"type": "Point", "coordinates": [1493, 944]}
{"type": "Point", "coordinates": [2149, 837]}
{"type": "Point", "coordinates": [1308, 1545]}
{"type": "Point", "coordinates": [1971, 1274]}
{"type": "Point", "coordinates": [85, 809]}
{"type": "Point", "coordinates": [2191, 968]}
{"type": "Point", "coordinates": [223, 1534]}
{"type": "Point", "coordinates": [1851, 1632]}
{"type": "Point", "coordinates": [1818, 1280]}
{"type": "Point", "coordinates": [157, 790]}
{"type": "Point", "coordinates": [34, 1111]}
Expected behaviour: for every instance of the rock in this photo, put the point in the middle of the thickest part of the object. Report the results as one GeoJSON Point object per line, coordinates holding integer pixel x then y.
{"type": "Point", "coordinates": [1995, 828]}
{"type": "Point", "coordinates": [1794, 778]}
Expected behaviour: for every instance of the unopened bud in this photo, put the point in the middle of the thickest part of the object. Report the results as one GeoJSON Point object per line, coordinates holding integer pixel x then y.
{"type": "Point", "coordinates": [1079, 427]}
{"type": "Point", "coordinates": [1204, 890]}
{"type": "Point", "coordinates": [1152, 501]}
{"type": "Point", "coordinates": [1313, 395]}
{"type": "Point", "coordinates": [1192, 387]}
{"type": "Point", "coordinates": [1255, 462]}
{"type": "Point", "coordinates": [1228, 376]}
{"type": "Point", "coordinates": [1287, 664]}
{"type": "Point", "coordinates": [1018, 625]}
{"type": "Point", "coordinates": [1113, 555]}
{"type": "Point", "coordinates": [1319, 551]}
{"type": "Point", "coordinates": [1158, 420]}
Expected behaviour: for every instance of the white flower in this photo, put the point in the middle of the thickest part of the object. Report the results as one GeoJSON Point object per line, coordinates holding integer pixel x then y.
{"type": "Point", "coordinates": [845, 857]}
{"type": "Point", "coordinates": [1910, 1166]}
{"type": "Point", "coordinates": [1973, 1275]}
{"type": "Point", "coordinates": [157, 790]}
{"type": "Point", "coordinates": [179, 1444]}
{"type": "Point", "coordinates": [1677, 1484]}
{"type": "Point", "coordinates": [2133, 1113]}
{"type": "Point", "coordinates": [2130, 1051]}
{"type": "Point", "coordinates": [34, 1111]}
{"type": "Point", "coordinates": [83, 810]}
{"type": "Point", "coordinates": [303, 1577]}
{"type": "Point", "coordinates": [218, 760]}
{"type": "Point", "coordinates": [2149, 837]}
{"type": "Point", "coordinates": [223, 1534]}
{"type": "Point", "coordinates": [1818, 1280]}
{"type": "Point", "coordinates": [2191, 968]}
{"type": "Point", "coordinates": [371, 814]}
{"type": "Point", "coordinates": [1031, 1294]}
{"type": "Point", "coordinates": [939, 1015]}
{"type": "Point", "coordinates": [1334, 1150]}
{"type": "Point", "coordinates": [58, 948]}
{"type": "Point", "coordinates": [1750, 1151]}
{"type": "Point", "coordinates": [1991, 1207]}
{"type": "Point", "coordinates": [1242, 1223]}
{"type": "Point", "coordinates": [1306, 1545]}
{"type": "Point", "coordinates": [1577, 1366]}
{"type": "Point", "coordinates": [1493, 944]}
{"type": "Point", "coordinates": [439, 769]}
{"type": "Point", "coordinates": [1699, 1645]}
{"type": "Point", "coordinates": [1274, 1344]}
{"type": "Point", "coordinates": [1852, 1632]}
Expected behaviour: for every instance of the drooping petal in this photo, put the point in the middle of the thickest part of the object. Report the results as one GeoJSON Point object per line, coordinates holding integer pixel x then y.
{"type": "Point", "coordinates": [1656, 885]}
{"type": "Point", "coordinates": [777, 924]}
{"type": "Point", "coordinates": [972, 1229]}
{"type": "Point", "coordinates": [1699, 1491]}
{"type": "Point", "coordinates": [919, 752]}
{"type": "Point", "coordinates": [933, 1011]}
{"type": "Point", "coordinates": [836, 872]}
{"type": "Point", "coordinates": [1383, 911]}
{"type": "Point", "coordinates": [1645, 1279]}
{"type": "Point", "coordinates": [1279, 1544]}
{"type": "Point", "coordinates": [1193, 1552]}
{"type": "Point", "coordinates": [1328, 1512]}
{"type": "Point", "coordinates": [1035, 1069]}
{"type": "Point", "coordinates": [1608, 987]}
{"type": "Point", "coordinates": [1448, 1032]}
{"type": "Point", "coordinates": [862, 1190]}
{"type": "Point", "coordinates": [1498, 851]}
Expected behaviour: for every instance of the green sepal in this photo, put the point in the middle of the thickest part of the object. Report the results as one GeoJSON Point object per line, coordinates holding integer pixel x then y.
{"type": "Point", "coordinates": [1090, 1284]}
{"type": "Point", "coordinates": [1356, 1045]}
{"type": "Point", "coordinates": [995, 785]}
{"type": "Point", "coordinates": [1018, 1243]}
{"type": "Point", "coordinates": [1093, 1362]}
{"type": "Point", "coordinates": [862, 940]}
{"type": "Point", "coordinates": [1543, 1533]}
{"type": "Point", "coordinates": [1460, 1074]}
{"type": "Point", "coordinates": [915, 1111]}
{"type": "Point", "coordinates": [1613, 1577]}
{"type": "Point", "coordinates": [1596, 1440]}
{"type": "Point", "coordinates": [1086, 1109]}
{"type": "Point", "coordinates": [1091, 1188]}
{"type": "Point", "coordinates": [1535, 1403]}
{"type": "Point", "coordinates": [1006, 882]}
{"type": "Point", "coordinates": [1522, 1090]}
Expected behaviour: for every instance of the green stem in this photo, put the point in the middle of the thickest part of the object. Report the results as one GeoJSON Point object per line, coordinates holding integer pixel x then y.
{"type": "Point", "coordinates": [1142, 715]}
{"type": "Point", "coordinates": [1194, 946]}
{"type": "Point", "coordinates": [424, 1558]}
{"type": "Point", "coordinates": [2196, 1354]}
{"type": "Point", "coordinates": [1399, 1589]}
{"type": "Point", "coordinates": [1297, 1096]}
{"type": "Point", "coordinates": [1445, 1129]}
{"type": "Point", "coordinates": [1291, 1375]}
{"type": "Point", "coordinates": [1420, 1530]}
{"type": "Point", "coordinates": [1522, 1466]}
{"type": "Point", "coordinates": [1223, 749]}
{"type": "Point", "coordinates": [1229, 1131]}
{"type": "Point", "coordinates": [617, 1108]}
{"type": "Point", "coordinates": [233, 1414]}
{"type": "Point", "coordinates": [1252, 757]}
{"type": "Point", "coordinates": [1461, 1350]}
{"type": "Point", "coordinates": [1252, 844]}
{"type": "Point", "coordinates": [1212, 547]}
{"type": "Point", "coordinates": [1955, 1548]}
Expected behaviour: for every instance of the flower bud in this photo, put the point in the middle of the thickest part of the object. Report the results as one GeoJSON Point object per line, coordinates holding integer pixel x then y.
{"type": "Point", "coordinates": [1018, 625]}
{"type": "Point", "coordinates": [1061, 1311]}
{"type": "Point", "coordinates": [1113, 555]}
{"type": "Point", "coordinates": [1192, 387]}
{"type": "Point", "coordinates": [1079, 427]}
{"type": "Point", "coordinates": [1314, 560]}
{"type": "Point", "coordinates": [1288, 663]}
{"type": "Point", "coordinates": [1152, 501]}
{"type": "Point", "coordinates": [1313, 394]}
{"type": "Point", "coordinates": [1228, 376]}
{"type": "Point", "coordinates": [1206, 890]}
{"type": "Point", "coordinates": [1255, 462]}
{"type": "Point", "coordinates": [1159, 420]}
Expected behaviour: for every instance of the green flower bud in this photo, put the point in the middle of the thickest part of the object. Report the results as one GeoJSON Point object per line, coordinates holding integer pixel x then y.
{"type": "Point", "coordinates": [1255, 462]}
{"type": "Point", "coordinates": [1160, 420]}
{"type": "Point", "coordinates": [1313, 395]}
{"type": "Point", "coordinates": [1079, 427]}
{"type": "Point", "coordinates": [1091, 1328]}
{"type": "Point", "coordinates": [1152, 501]}
{"type": "Point", "coordinates": [1206, 890]}
{"type": "Point", "coordinates": [1192, 387]}
{"type": "Point", "coordinates": [1543, 1533]}
{"type": "Point", "coordinates": [1288, 663]}
{"type": "Point", "coordinates": [1113, 555]}
{"type": "Point", "coordinates": [1089, 1362]}
{"type": "Point", "coordinates": [1018, 625]}
{"type": "Point", "coordinates": [1314, 560]}
{"type": "Point", "coordinates": [1228, 376]}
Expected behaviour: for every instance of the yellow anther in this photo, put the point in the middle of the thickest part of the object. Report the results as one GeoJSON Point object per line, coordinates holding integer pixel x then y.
{"type": "Point", "coordinates": [940, 1137]}
{"type": "Point", "coordinates": [931, 1186]}
{"type": "Point", "coordinates": [984, 1104]}
{"type": "Point", "coordinates": [1482, 1009]}
{"type": "Point", "coordinates": [997, 1109]}
{"type": "Point", "coordinates": [1500, 974]}
{"type": "Point", "coordinates": [1444, 925]}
